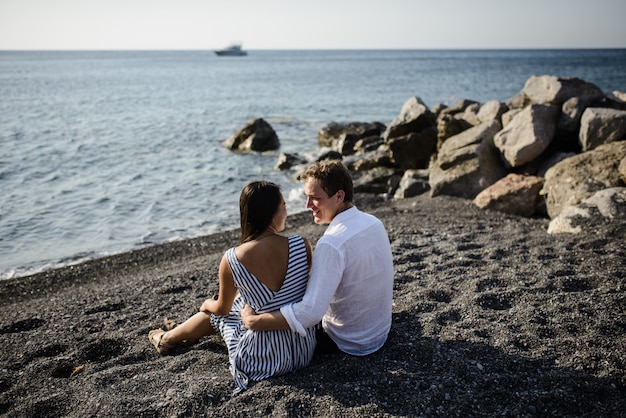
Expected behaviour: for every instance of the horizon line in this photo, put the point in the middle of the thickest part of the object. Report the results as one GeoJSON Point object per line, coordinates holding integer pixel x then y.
{"type": "Point", "coordinates": [314, 49]}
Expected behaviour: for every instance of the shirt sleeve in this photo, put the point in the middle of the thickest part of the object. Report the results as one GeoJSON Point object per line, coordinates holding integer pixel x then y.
{"type": "Point", "coordinates": [327, 271]}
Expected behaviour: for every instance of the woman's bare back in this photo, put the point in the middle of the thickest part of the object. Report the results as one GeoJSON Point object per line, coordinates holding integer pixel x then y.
{"type": "Point", "coordinates": [267, 259]}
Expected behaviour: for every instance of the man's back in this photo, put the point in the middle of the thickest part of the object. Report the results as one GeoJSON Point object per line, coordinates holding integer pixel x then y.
{"type": "Point", "coordinates": [351, 285]}
{"type": "Point", "coordinates": [359, 316]}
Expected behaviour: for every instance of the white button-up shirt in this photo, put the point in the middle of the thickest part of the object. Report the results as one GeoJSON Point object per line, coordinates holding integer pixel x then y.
{"type": "Point", "coordinates": [351, 285]}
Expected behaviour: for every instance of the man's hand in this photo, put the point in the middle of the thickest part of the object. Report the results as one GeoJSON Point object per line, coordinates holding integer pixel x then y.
{"type": "Point", "coordinates": [264, 321]}
{"type": "Point", "coordinates": [248, 316]}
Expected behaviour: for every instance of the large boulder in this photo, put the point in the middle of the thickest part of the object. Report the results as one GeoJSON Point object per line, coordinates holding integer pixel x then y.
{"type": "Point", "coordinates": [515, 194]}
{"type": "Point", "coordinates": [602, 206]}
{"type": "Point", "coordinates": [568, 125]}
{"type": "Point", "coordinates": [549, 89]}
{"type": "Point", "coordinates": [467, 163]}
{"type": "Point", "coordinates": [458, 107]}
{"type": "Point", "coordinates": [257, 135]}
{"type": "Point", "coordinates": [368, 161]}
{"type": "Point", "coordinates": [289, 161]}
{"type": "Point", "coordinates": [550, 161]}
{"type": "Point", "coordinates": [616, 100]}
{"type": "Point", "coordinates": [528, 134]}
{"type": "Point", "coordinates": [448, 126]}
{"type": "Point", "coordinates": [508, 116]}
{"type": "Point", "coordinates": [412, 183]}
{"type": "Point", "coordinates": [576, 178]}
{"type": "Point", "coordinates": [492, 110]}
{"type": "Point", "coordinates": [413, 150]}
{"type": "Point", "coordinates": [470, 114]}
{"type": "Point", "coordinates": [414, 117]}
{"type": "Point", "coordinates": [330, 135]}
{"type": "Point", "coordinates": [601, 126]}
{"type": "Point", "coordinates": [378, 180]}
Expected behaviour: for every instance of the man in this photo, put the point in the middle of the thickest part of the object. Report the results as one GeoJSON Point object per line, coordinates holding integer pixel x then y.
{"type": "Point", "coordinates": [351, 284]}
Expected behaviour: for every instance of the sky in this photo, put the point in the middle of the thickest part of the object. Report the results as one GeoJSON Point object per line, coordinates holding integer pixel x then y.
{"type": "Point", "coordinates": [320, 24]}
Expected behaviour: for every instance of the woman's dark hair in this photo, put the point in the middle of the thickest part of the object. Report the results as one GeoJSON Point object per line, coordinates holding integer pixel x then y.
{"type": "Point", "coordinates": [333, 176]}
{"type": "Point", "coordinates": [258, 204]}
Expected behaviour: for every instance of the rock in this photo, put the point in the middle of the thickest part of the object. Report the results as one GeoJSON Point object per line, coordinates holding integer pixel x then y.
{"type": "Point", "coordinates": [601, 206]}
{"type": "Point", "coordinates": [568, 124]}
{"type": "Point", "coordinates": [368, 161]}
{"type": "Point", "coordinates": [414, 117]}
{"type": "Point", "coordinates": [330, 134]}
{"type": "Point", "coordinates": [413, 150]}
{"type": "Point", "coordinates": [601, 126]}
{"type": "Point", "coordinates": [330, 155]}
{"type": "Point", "coordinates": [507, 117]}
{"type": "Point", "coordinates": [377, 180]}
{"type": "Point", "coordinates": [367, 144]}
{"type": "Point", "coordinates": [438, 108]}
{"type": "Point", "coordinates": [492, 110]}
{"type": "Point", "coordinates": [618, 95]}
{"type": "Point", "coordinates": [413, 183]}
{"type": "Point", "coordinates": [515, 194]}
{"type": "Point", "coordinates": [569, 221]}
{"type": "Point", "coordinates": [346, 143]}
{"type": "Point", "coordinates": [611, 202]}
{"type": "Point", "coordinates": [518, 101]}
{"type": "Point", "coordinates": [448, 125]}
{"type": "Point", "coordinates": [287, 161]}
{"type": "Point", "coordinates": [551, 161]}
{"type": "Point", "coordinates": [528, 135]}
{"type": "Point", "coordinates": [470, 114]}
{"type": "Point", "coordinates": [257, 135]}
{"type": "Point", "coordinates": [576, 178]}
{"type": "Point", "coordinates": [467, 163]}
{"type": "Point", "coordinates": [458, 107]}
{"type": "Point", "coordinates": [549, 89]}
{"type": "Point", "coordinates": [614, 100]}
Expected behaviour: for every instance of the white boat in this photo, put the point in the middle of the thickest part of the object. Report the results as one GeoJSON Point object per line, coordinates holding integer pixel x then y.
{"type": "Point", "coordinates": [233, 50]}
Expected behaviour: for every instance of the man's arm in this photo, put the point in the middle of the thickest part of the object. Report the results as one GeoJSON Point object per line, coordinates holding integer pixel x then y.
{"type": "Point", "coordinates": [326, 274]}
{"type": "Point", "coordinates": [263, 322]}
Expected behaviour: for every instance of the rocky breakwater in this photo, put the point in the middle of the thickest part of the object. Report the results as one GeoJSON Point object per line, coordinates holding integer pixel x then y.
{"type": "Point", "coordinates": [556, 149]}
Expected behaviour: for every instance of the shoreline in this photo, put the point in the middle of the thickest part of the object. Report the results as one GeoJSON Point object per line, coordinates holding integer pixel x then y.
{"type": "Point", "coordinates": [491, 316]}
{"type": "Point", "coordinates": [126, 262]}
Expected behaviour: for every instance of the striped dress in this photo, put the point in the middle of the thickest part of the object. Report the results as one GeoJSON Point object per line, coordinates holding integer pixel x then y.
{"type": "Point", "coordinates": [256, 355]}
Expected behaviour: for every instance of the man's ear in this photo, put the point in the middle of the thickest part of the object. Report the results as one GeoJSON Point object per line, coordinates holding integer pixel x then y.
{"type": "Point", "coordinates": [341, 195]}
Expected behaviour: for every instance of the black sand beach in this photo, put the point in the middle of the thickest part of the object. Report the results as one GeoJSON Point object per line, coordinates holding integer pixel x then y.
{"type": "Point", "coordinates": [492, 316]}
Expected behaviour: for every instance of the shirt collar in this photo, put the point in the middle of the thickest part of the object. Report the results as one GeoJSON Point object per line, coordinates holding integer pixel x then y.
{"type": "Point", "coordinates": [342, 216]}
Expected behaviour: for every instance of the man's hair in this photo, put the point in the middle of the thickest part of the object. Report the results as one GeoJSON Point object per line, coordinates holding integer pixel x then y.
{"type": "Point", "coordinates": [333, 176]}
{"type": "Point", "coordinates": [258, 204]}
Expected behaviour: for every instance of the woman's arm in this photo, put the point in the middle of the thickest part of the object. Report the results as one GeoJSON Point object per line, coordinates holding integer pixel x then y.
{"type": "Point", "coordinates": [226, 295]}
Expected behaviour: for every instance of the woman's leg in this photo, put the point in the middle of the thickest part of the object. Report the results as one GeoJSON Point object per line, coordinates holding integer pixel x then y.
{"type": "Point", "coordinates": [196, 327]}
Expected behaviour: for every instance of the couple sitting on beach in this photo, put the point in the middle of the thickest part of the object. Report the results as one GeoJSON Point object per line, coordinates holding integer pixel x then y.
{"type": "Point", "coordinates": [277, 302]}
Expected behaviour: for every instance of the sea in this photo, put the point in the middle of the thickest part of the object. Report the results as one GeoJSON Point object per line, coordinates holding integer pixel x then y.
{"type": "Point", "coordinates": [109, 151]}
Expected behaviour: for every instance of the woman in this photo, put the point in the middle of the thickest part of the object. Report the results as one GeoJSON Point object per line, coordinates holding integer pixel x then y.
{"type": "Point", "coordinates": [266, 271]}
